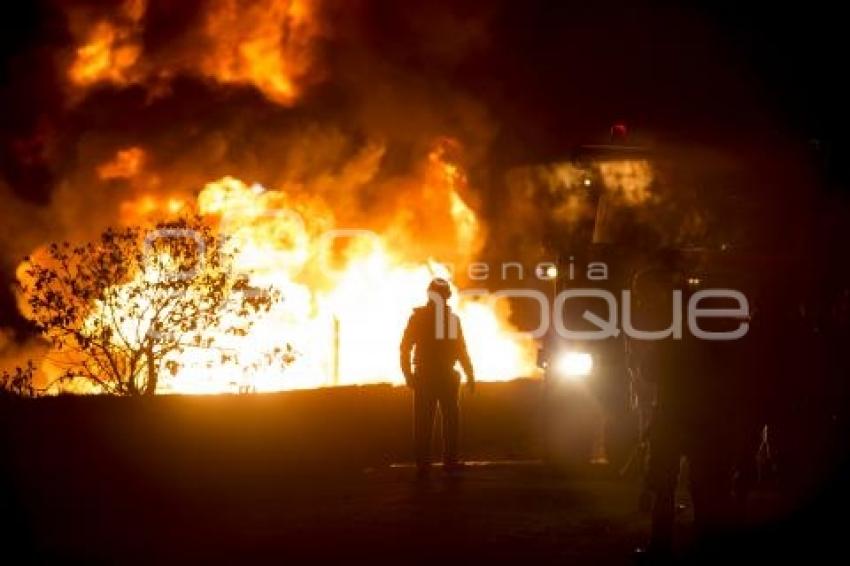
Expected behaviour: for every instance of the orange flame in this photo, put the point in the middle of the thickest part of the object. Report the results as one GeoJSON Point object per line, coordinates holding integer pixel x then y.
{"type": "Point", "coordinates": [344, 319]}
{"type": "Point", "coordinates": [127, 163]}
{"type": "Point", "coordinates": [110, 49]}
{"type": "Point", "coordinates": [346, 295]}
{"type": "Point", "coordinates": [265, 43]}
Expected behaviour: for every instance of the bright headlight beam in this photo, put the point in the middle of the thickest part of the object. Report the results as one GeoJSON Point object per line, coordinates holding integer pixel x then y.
{"type": "Point", "coordinates": [573, 365]}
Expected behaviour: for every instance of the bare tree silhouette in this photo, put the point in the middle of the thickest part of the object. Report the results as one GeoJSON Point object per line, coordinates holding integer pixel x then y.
{"type": "Point", "coordinates": [119, 311]}
{"type": "Point", "coordinates": [18, 383]}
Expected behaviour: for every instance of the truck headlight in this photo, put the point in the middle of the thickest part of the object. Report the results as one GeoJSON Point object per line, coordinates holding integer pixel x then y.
{"type": "Point", "coordinates": [572, 365]}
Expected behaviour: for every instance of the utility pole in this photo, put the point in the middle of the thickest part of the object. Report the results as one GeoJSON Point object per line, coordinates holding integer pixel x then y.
{"type": "Point", "coordinates": [335, 375]}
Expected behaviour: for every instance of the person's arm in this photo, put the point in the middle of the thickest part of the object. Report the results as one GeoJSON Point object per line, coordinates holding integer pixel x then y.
{"type": "Point", "coordinates": [463, 357]}
{"type": "Point", "coordinates": [407, 343]}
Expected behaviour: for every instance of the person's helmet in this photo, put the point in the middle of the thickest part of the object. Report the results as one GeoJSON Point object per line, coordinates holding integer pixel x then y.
{"type": "Point", "coordinates": [441, 287]}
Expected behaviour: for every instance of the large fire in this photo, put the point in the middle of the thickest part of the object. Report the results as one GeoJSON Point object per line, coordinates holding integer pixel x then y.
{"type": "Point", "coordinates": [344, 318]}
{"type": "Point", "coordinates": [349, 247]}
{"type": "Point", "coordinates": [347, 292]}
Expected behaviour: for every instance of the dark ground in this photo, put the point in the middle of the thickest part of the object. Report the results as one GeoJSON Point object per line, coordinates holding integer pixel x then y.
{"type": "Point", "coordinates": [492, 514]}
{"type": "Point", "coordinates": [302, 476]}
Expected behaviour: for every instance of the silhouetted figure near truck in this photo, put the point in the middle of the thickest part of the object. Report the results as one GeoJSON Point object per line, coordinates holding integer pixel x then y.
{"type": "Point", "coordinates": [435, 339]}
{"type": "Point", "coordinates": [707, 411]}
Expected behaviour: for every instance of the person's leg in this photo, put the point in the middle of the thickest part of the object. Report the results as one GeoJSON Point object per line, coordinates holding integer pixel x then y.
{"type": "Point", "coordinates": [662, 478]}
{"type": "Point", "coordinates": [711, 491]}
{"type": "Point", "coordinates": [663, 518]}
{"type": "Point", "coordinates": [450, 411]}
{"type": "Point", "coordinates": [424, 405]}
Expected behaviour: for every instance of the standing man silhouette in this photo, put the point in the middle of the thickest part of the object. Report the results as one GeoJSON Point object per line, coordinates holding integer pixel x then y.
{"type": "Point", "coordinates": [435, 339]}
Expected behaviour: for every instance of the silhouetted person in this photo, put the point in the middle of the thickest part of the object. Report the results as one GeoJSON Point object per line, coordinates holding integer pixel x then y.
{"type": "Point", "coordinates": [701, 413]}
{"type": "Point", "coordinates": [435, 339]}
